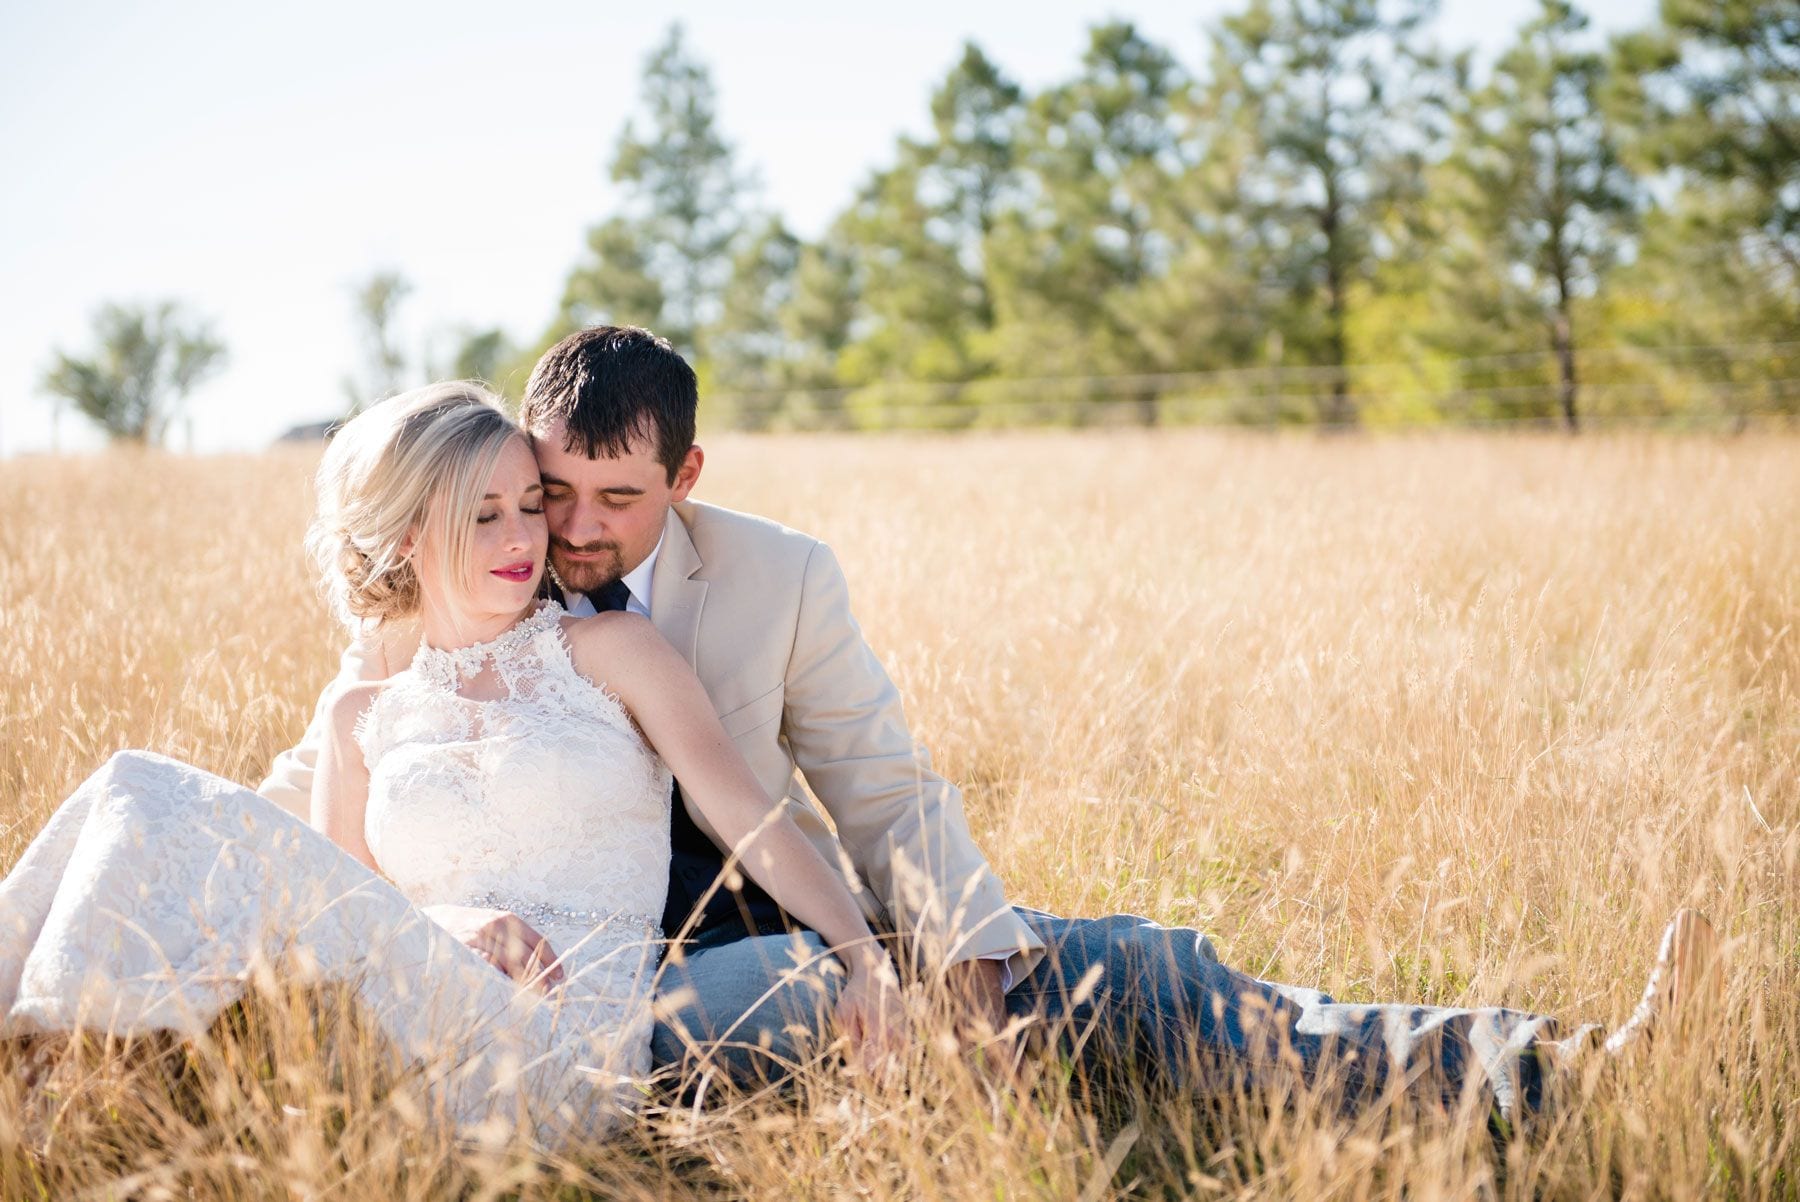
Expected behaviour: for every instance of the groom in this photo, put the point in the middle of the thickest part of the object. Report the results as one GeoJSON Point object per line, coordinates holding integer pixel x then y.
{"type": "Point", "coordinates": [762, 614]}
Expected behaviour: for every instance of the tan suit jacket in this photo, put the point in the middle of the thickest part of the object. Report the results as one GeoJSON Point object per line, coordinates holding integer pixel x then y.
{"type": "Point", "coordinates": [762, 613]}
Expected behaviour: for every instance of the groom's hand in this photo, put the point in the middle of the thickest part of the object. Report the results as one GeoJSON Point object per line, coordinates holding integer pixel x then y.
{"type": "Point", "coordinates": [870, 1013]}
{"type": "Point", "coordinates": [975, 993]}
{"type": "Point", "coordinates": [504, 940]}
{"type": "Point", "coordinates": [978, 1012]}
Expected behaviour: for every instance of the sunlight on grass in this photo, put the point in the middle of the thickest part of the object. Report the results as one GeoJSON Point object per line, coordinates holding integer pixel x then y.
{"type": "Point", "coordinates": [1456, 719]}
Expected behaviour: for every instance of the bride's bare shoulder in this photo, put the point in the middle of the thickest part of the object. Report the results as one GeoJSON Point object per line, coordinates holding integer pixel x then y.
{"type": "Point", "coordinates": [348, 703]}
{"type": "Point", "coordinates": [612, 646]}
{"type": "Point", "coordinates": [606, 633]}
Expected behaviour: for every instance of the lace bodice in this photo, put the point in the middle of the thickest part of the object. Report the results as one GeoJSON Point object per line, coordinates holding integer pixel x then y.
{"type": "Point", "coordinates": [543, 799]}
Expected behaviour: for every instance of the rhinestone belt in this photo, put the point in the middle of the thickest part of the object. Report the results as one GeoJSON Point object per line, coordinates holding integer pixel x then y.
{"type": "Point", "coordinates": [540, 914]}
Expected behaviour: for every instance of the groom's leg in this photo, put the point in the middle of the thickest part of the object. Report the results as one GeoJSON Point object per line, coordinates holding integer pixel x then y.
{"type": "Point", "coordinates": [752, 1009]}
{"type": "Point", "coordinates": [1135, 999]}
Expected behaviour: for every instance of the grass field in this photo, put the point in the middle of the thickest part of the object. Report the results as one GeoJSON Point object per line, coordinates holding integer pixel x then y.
{"type": "Point", "coordinates": [1454, 719]}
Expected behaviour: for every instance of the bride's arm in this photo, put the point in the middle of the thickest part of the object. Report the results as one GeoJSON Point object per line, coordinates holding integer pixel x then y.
{"type": "Point", "coordinates": [668, 702]}
{"type": "Point", "coordinates": [373, 655]}
{"type": "Point", "coordinates": [340, 802]}
{"type": "Point", "coordinates": [340, 792]}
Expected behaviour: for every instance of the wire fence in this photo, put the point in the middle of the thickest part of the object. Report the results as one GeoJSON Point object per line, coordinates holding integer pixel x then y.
{"type": "Point", "coordinates": [1718, 385]}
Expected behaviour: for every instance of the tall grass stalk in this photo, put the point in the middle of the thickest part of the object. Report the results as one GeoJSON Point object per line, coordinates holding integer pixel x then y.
{"type": "Point", "coordinates": [1452, 719]}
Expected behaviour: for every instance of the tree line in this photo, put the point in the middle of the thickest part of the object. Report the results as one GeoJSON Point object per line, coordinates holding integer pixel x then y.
{"type": "Point", "coordinates": [1328, 219]}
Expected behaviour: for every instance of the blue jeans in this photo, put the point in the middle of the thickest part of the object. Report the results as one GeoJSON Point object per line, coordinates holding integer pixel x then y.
{"type": "Point", "coordinates": [1160, 1008]}
{"type": "Point", "coordinates": [750, 1009]}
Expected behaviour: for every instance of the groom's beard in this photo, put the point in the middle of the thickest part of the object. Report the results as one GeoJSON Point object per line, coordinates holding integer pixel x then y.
{"type": "Point", "coordinates": [585, 575]}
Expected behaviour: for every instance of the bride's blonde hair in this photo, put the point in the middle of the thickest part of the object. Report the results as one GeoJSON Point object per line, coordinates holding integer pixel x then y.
{"type": "Point", "coordinates": [414, 465]}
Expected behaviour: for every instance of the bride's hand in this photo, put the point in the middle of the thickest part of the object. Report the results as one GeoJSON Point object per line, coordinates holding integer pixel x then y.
{"type": "Point", "coordinates": [504, 940]}
{"type": "Point", "coordinates": [870, 1013]}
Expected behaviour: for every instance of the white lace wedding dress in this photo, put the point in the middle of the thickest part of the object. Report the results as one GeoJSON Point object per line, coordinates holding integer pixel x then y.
{"type": "Point", "coordinates": [156, 890]}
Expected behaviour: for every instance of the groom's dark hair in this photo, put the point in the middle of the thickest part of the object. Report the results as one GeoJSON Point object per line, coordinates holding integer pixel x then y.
{"type": "Point", "coordinates": [612, 386]}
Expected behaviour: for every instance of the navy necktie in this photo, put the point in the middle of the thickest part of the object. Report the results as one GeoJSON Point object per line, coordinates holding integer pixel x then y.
{"type": "Point", "coordinates": [611, 597]}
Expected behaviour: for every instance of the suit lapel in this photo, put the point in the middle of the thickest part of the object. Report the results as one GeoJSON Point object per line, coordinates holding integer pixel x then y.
{"type": "Point", "coordinates": [675, 596]}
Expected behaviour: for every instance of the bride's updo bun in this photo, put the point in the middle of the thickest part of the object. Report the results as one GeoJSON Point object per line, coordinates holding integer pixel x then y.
{"type": "Point", "coordinates": [414, 465]}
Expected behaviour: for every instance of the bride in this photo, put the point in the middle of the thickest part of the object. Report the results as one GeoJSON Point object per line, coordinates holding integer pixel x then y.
{"type": "Point", "coordinates": [514, 782]}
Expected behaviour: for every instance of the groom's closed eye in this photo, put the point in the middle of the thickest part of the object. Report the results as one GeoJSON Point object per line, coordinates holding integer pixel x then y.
{"type": "Point", "coordinates": [621, 498]}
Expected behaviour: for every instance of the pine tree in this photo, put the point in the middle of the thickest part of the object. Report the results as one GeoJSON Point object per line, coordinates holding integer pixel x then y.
{"type": "Point", "coordinates": [1102, 152]}
{"type": "Point", "coordinates": [664, 260]}
{"type": "Point", "coordinates": [1345, 112]}
{"type": "Point", "coordinates": [1550, 192]}
{"type": "Point", "coordinates": [1715, 87]}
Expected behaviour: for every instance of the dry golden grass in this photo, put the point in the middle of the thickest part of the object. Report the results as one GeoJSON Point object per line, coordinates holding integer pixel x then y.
{"type": "Point", "coordinates": [1451, 719]}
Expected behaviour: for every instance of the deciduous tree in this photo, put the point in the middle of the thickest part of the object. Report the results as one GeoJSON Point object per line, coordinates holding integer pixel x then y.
{"type": "Point", "coordinates": [146, 361]}
{"type": "Point", "coordinates": [377, 303]}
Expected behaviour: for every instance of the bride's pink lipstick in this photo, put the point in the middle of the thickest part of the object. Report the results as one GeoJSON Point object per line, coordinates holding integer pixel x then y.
{"type": "Point", "coordinates": [518, 573]}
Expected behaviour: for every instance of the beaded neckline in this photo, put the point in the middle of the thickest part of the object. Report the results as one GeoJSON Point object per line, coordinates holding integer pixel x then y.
{"type": "Point", "coordinates": [449, 667]}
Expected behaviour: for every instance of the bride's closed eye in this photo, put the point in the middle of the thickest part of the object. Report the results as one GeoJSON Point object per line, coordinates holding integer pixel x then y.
{"type": "Point", "coordinates": [485, 518]}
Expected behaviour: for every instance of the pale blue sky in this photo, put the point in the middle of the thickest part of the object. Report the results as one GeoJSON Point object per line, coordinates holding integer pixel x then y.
{"type": "Point", "coordinates": [255, 161]}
